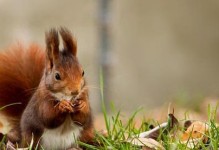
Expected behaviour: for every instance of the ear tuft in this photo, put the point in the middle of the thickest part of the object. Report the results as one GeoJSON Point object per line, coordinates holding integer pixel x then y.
{"type": "Point", "coordinates": [52, 46]}
{"type": "Point", "coordinates": [69, 42]}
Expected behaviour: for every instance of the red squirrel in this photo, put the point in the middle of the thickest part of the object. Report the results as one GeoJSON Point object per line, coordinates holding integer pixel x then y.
{"type": "Point", "coordinates": [54, 109]}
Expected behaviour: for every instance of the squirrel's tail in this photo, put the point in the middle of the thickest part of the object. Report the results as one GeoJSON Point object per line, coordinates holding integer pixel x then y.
{"type": "Point", "coordinates": [21, 69]}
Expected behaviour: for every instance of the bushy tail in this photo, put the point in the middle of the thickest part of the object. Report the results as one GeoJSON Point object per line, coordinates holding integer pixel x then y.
{"type": "Point", "coordinates": [21, 69]}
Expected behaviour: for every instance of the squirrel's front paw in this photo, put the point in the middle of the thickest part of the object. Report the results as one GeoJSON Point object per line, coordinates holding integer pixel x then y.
{"type": "Point", "coordinates": [65, 106]}
{"type": "Point", "coordinates": [79, 105]}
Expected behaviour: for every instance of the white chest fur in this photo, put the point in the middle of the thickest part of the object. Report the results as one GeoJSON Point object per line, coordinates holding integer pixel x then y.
{"type": "Point", "coordinates": [62, 137]}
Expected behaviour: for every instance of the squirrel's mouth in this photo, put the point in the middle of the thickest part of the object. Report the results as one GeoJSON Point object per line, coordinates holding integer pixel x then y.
{"type": "Point", "coordinates": [61, 96]}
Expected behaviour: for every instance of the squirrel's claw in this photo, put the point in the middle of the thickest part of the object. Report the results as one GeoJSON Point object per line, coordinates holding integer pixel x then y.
{"type": "Point", "coordinates": [65, 106]}
{"type": "Point", "coordinates": [78, 105]}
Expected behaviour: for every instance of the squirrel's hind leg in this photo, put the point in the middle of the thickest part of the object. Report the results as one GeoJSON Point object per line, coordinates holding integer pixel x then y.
{"type": "Point", "coordinates": [14, 135]}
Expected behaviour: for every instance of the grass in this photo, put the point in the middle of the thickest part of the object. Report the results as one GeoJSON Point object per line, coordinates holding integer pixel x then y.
{"type": "Point", "coordinates": [2, 143]}
{"type": "Point", "coordinates": [119, 131]}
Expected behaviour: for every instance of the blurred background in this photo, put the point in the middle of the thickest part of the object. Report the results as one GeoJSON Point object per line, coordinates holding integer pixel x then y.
{"type": "Point", "coordinates": [150, 53]}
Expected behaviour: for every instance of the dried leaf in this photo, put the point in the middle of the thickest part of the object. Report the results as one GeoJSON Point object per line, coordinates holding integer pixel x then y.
{"type": "Point", "coordinates": [148, 142]}
{"type": "Point", "coordinates": [195, 134]}
{"type": "Point", "coordinates": [103, 133]}
{"type": "Point", "coordinates": [153, 133]}
{"type": "Point", "coordinates": [187, 124]}
{"type": "Point", "coordinates": [191, 143]}
{"type": "Point", "coordinates": [196, 130]}
{"type": "Point", "coordinates": [146, 148]}
{"type": "Point", "coordinates": [172, 121]}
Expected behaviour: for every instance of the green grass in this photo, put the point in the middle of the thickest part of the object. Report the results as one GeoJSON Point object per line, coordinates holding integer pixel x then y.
{"type": "Point", "coordinates": [2, 143]}
{"type": "Point", "coordinates": [119, 131]}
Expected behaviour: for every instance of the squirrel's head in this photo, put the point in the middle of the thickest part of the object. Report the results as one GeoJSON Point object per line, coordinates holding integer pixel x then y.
{"type": "Point", "coordinates": [63, 73]}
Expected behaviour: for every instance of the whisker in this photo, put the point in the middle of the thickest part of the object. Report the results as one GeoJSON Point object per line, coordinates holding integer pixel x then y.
{"type": "Point", "coordinates": [57, 104]}
{"type": "Point", "coordinates": [33, 89]}
{"type": "Point", "coordinates": [93, 87]}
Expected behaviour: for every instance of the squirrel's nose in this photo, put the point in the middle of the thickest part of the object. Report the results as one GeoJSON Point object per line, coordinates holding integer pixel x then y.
{"type": "Point", "coordinates": [74, 92]}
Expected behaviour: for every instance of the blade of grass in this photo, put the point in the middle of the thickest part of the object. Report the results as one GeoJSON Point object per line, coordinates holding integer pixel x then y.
{"type": "Point", "coordinates": [2, 144]}
{"type": "Point", "coordinates": [106, 141]}
{"type": "Point", "coordinates": [115, 122]}
{"type": "Point", "coordinates": [107, 122]}
{"type": "Point", "coordinates": [90, 147]}
{"type": "Point", "coordinates": [31, 143]}
{"type": "Point", "coordinates": [3, 107]}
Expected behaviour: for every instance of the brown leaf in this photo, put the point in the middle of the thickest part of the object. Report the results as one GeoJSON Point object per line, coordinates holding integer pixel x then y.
{"type": "Point", "coordinates": [187, 124]}
{"type": "Point", "coordinates": [195, 134]}
{"type": "Point", "coordinates": [196, 130]}
{"type": "Point", "coordinates": [172, 121]}
{"type": "Point", "coordinates": [146, 148]}
{"type": "Point", "coordinates": [153, 133]}
{"type": "Point", "coordinates": [103, 133]}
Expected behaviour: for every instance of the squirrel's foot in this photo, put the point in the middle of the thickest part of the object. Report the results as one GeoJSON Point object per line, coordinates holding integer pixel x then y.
{"type": "Point", "coordinates": [65, 106]}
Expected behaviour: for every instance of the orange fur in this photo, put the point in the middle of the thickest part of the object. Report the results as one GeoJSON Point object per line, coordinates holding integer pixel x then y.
{"type": "Point", "coordinates": [21, 69]}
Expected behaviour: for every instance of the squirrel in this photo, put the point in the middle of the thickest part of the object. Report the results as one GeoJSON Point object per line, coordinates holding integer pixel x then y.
{"type": "Point", "coordinates": [47, 94]}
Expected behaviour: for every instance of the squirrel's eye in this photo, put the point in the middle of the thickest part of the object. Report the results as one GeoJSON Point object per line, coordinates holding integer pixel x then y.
{"type": "Point", "coordinates": [57, 76]}
{"type": "Point", "coordinates": [82, 73]}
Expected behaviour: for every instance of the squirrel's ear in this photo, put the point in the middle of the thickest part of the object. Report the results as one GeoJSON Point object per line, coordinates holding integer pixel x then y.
{"type": "Point", "coordinates": [69, 42]}
{"type": "Point", "coordinates": [52, 47]}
